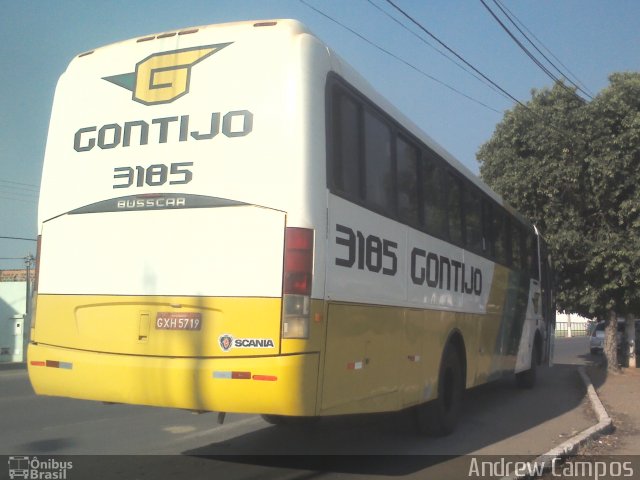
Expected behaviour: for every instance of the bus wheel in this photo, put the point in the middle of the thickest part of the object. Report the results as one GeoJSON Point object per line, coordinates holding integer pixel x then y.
{"type": "Point", "coordinates": [275, 419]}
{"type": "Point", "coordinates": [439, 417]}
{"type": "Point", "coordinates": [527, 379]}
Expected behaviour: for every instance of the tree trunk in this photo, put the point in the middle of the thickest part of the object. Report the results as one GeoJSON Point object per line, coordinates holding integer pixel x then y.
{"type": "Point", "coordinates": [610, 343]}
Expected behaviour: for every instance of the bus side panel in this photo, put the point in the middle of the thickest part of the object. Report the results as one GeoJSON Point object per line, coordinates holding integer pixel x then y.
{"type": "Point", "coordinates": [532, 324]}
{"type": "Point", "coordinates": [489, 358]}
{"type": "Point", "coordinates": [362, 359]}
{"type": "Point", "coordinates": [387, 358]}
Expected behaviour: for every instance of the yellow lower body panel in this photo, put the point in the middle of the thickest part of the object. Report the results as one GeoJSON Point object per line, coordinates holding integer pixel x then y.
{"type": "Point", "coordinates": [282, 385]}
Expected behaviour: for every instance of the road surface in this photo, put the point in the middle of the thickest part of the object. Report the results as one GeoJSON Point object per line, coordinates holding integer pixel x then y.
{"type": "Point", "coordinates": [498, 419]}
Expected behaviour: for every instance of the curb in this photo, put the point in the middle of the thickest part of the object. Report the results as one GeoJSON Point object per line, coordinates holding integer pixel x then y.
{"type": "Point", "coordinates": [12, 366]}
{"type": "Point", "coordinates": [567, 448]}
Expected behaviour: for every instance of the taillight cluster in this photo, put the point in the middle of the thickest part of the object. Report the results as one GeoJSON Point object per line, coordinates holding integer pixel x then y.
{"type": "Point", "coordinates": [298, 273]}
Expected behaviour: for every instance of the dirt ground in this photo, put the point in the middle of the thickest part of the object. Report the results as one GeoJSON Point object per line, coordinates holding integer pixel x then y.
{"type": "Point", "coordinates": [620, 395]}
{"type": "Point", "coordinates": [617, 454]}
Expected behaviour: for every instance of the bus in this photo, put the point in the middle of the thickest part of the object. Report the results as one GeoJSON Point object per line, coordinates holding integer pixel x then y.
{"type": "Point", "coordinates": [231, 219]}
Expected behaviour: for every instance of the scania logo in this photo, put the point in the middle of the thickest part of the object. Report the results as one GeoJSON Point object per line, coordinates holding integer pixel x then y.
{"type": "Point", "coordinates": [164, 77]}
{"type": "Point", "coordinates": [227, 342]}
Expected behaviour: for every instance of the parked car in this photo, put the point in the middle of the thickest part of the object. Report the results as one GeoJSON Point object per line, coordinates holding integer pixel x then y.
{"type": "Point", "coordinates": [596, 342]}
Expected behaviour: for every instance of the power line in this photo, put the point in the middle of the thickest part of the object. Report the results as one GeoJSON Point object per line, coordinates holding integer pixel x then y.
{"type": "Point", "coordinates": [522, 47]}
{"type": "Point", "coordinates": [511, 16]}
{"type": "Point", "coordinates": [557, 128]}
{"type": "Point", "coordinates": [17, 191]}
{"type": "Point", "coordinates": [431, 77]}
{"type": "Point", "coordinates": [31, 201]}
{"type": "Point", "coordinates": [423, 40]}
{"type": "Point", "coordinates": [449, 49]}
{"type": "Point", "coordinates": [20, 183]}
{"type": "Point", "coordinates": [20, 238]}
{"type": "Point", "coordinates": [527, 51]}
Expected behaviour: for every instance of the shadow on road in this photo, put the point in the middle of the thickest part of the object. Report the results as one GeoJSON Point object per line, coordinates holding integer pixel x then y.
{"type": "Point", "coordinates": [493, 423]}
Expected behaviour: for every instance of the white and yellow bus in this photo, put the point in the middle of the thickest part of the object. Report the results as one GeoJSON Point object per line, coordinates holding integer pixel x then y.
{"type": "Point", "coordinates": [231, 219]}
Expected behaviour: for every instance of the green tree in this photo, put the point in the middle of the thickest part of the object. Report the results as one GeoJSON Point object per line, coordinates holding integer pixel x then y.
{"type": "Point", "coordinates": [573, 167]}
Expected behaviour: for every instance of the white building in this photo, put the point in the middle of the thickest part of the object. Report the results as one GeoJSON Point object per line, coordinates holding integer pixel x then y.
{"type": "Point", "coordinates": [572, 325]}
{"type": "Point", "coordinates": [13, 320]}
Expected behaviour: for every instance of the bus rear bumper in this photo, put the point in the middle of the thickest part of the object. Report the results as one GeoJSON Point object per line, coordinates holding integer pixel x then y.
{"type": "Point", "coordinates": [281, 385]}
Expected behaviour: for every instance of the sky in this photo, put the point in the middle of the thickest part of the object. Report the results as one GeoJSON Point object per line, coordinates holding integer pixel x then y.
{"type": "Point", "coordinates": [38, 38]}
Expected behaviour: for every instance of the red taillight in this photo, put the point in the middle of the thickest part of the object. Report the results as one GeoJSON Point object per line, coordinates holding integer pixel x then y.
{"type": "Point", "coordinates": [298, 261]}
{"type": "Point", "coordinates": [296, 284]}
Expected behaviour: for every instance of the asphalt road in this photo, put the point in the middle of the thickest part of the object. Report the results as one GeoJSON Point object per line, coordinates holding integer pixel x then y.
{"type": "Point", "coordinates": [498, 419]}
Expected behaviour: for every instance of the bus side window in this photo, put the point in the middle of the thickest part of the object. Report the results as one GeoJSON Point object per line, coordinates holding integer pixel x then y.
{"type": "Point", "coordinates": [533, 256]}
{"type": "Point", "coordinates": [500, 237]}
{"type": "Point", "coordinates": [473, 220]}
{"type": "Point", "coordinates": [454, 207]}
{"type": "Point", "coordinates": [434, 215]}
{"type": "Point", "coordinates": [488, 236]}
{"type": "Point", "coordinates": [347, 151]}
{"type": "Point", "coordinates": [379, 180]}
{"type": "Point", "coordinates": [407, 178]}
{"type": "Point", "coordinates": [516, 245]}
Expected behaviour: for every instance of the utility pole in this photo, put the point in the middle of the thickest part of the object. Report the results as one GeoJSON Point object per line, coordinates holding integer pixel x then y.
{"type": "Point", "coordinates": [29, 262]}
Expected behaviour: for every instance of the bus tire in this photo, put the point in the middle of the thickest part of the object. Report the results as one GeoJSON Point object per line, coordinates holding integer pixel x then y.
{"type": "Point", "coordinates": [439, 417]}
{"type": "Point", "coordinates": [274, 419]}
{"type": "Point", "coordinates": [527, 379]}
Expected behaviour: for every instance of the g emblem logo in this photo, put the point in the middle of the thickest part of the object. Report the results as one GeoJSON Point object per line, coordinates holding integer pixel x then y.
{"type": "Point", "coordinates": [164, 77]}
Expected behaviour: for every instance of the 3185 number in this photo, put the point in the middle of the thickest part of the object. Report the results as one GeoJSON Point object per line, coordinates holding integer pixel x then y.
{"type": "Point", "coordinates": [370, 252]}
{"type": "Point", "coordinates": [153, 175]}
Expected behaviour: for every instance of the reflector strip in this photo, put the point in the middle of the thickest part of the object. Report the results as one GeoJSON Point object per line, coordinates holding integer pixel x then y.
{"type": "Point", "coordinates": [267, 378]}
{"type": "Point", "coordinates": [52, 364]}
{"type": "Point", "coordinates": [355, 366]}
{"type": "Point", "coordinates": [232, 375]}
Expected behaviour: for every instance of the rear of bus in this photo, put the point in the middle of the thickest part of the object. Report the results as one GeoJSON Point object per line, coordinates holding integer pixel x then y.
{"type": "Point", "coordinates": [182, 196]}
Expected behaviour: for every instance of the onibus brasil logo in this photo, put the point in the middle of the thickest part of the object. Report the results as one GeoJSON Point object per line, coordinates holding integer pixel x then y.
{"type": "Point", "coordinates": [38, 469]}
{"type": "Point", "coordinates": [164, 77]}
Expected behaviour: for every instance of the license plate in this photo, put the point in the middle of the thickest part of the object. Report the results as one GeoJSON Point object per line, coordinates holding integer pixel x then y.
{"type": "Point", "coordinates": [178, 321]}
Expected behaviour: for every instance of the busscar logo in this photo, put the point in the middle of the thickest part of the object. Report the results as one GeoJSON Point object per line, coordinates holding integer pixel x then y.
{"type": "Point", "coordinates": [164, 77]}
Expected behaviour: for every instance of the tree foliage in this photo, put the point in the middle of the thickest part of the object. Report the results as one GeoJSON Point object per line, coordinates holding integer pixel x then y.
{"type": "Point", "coordinates": [573, 167]}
